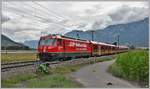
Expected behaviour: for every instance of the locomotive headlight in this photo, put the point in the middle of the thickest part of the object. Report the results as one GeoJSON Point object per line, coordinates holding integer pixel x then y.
{"type": "Point", "coordinates": [49, 47]}
{"type": "Point", "coordinates": [44, 50]}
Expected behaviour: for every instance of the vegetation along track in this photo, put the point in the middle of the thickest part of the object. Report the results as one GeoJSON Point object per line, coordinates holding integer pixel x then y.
{"type": "Point", "coordinates": [9, 66]}
{"type": "Point", "coordinates": [31, 68]}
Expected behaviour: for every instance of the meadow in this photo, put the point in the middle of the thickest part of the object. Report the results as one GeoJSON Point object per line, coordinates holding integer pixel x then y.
{"type": "Point", "coordinates": [133, 65]}
{"type": "Point", "coordinates": [15, 57]}
{"type": "Point", "coordinates": [57, 77]}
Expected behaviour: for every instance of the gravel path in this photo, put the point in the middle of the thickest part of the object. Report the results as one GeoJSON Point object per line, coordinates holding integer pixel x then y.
{"type": "Point", "coordinates": [96, 75]}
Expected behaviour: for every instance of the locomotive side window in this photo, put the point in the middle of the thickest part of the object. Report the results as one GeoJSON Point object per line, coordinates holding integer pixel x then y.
{"type": "Point", "coordinates": [47, 41]}
{"type": "Point", "coordinates": [59, 42]}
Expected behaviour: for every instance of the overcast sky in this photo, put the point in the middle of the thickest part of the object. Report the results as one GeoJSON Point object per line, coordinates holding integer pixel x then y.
{"type": "Point", "coordinates": [29, 20]}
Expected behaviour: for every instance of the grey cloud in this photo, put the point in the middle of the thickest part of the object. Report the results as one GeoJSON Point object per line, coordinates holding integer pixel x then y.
{"type": "Point", "coordinates": [127, 14]}
{"type": "Point", "coordinates": [82, 25]}
{"type": "Point", "coordinates": [91, 11]}
{"type": "Point", "coordinates": [120, 13]}
{"type": "Point", "coordinates": [4, 18]}
{"type": "Point", "coordinates": [92, 18]}
{"type": "Point", "coordinates": [21, 34]}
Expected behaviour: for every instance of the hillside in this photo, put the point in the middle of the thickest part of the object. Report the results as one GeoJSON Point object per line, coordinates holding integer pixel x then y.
{"type": "Point", "coordinates": [7, 43]}
{"type": "Point", "coordinates": [31, 43]}
{"type": "Point", "coordinates": [135, 33]}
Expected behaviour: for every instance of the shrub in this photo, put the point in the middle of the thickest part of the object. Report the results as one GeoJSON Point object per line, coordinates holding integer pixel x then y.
{"type": "Point", "coordinates": [133, 65]}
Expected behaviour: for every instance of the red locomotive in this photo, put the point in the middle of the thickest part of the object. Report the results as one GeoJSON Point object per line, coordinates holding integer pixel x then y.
{"type": "Point", "coordinates": [57, 47]}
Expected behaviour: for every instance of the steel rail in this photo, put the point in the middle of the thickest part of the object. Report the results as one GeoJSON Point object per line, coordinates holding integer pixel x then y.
{"type": "Point", "coordinates": [9, 66]}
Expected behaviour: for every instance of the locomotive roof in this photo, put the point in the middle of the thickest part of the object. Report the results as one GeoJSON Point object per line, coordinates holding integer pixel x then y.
{"type": "Point", "coordinates": [123, 46]}
{"type": "Point", "coordinates": [74, 38]}
{"type": "Point", "coordinates": [101, 43]}
{"type": "Point", "coordinates": [94, 42]}
{"type": "Point", "coordinates": [62, 36]}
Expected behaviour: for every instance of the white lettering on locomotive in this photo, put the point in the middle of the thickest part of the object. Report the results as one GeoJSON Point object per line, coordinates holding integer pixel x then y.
{"type": "Point", "coordinates": [77, 44]}
{"type": "Point", "coordinates": [81, 49]}
{"type": "Point", "coordinates": [80, 45]}
{"type": "Point", "coordinates": [71, 44]}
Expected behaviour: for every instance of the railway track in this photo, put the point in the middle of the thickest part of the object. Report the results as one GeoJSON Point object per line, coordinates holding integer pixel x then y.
{"type": "Point", "coordinates": [11, 69]}
{"type": "Point", "coordinates": [9, 66]}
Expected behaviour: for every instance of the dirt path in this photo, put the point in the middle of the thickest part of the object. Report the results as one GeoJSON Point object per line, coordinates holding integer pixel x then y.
{"type": "Point", "coordinates": [96, 75]}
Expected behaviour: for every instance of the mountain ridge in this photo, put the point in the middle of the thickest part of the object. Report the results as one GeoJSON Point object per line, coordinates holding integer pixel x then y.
{"type": "Point", "coordinates": [129, 33]}
{"type": "Point", "coordinates": [9, 44]}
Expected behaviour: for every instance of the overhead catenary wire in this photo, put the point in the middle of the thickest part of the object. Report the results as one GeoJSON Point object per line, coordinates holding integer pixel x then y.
{"type": "Point", "coordinates": [27, 11]}
{"type": "Point", "coordinates": [45, 12]}
{"type": "Point", "coordinates": [49, 13]}
{"type": "Point", "coordinates": [54, 13]}
{"type": "Point", "coordinates": [26, 14]}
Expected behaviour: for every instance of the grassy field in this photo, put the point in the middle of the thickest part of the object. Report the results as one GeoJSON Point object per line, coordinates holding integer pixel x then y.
{"type": "Point", "coordinates": [53, 81]}
{"type": "Point", "coordinates": [10, 82]}
{"type": "Point", "coordinates": [57, 77]}
{"type": "Point", "coordinates": [13, 57]}
{"type": "Point", "coordinates": [133, 65]}
{"type": "Point", "coordinates": [34, 81]}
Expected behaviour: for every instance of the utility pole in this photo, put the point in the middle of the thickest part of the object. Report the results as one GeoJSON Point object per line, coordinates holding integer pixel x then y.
{"type": "Point", "coordinates": [77, 34]}
{"type": "Point", "coordinates": [92, 35]}
{"type": "Point", "coordinates": [5, 47]}
{"type": "Point", "coordinates": [118, 40]}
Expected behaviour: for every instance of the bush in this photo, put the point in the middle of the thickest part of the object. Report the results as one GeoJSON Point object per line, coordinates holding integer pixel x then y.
{"type": "Point", "coordinates": [133, 65]}
{"type": "Point", "coordinates": [43, 69]}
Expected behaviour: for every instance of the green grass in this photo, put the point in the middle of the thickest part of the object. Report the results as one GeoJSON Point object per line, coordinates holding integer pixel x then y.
{"type": "Point", "coordinates": [56, 78]}
{"type": "Point", "coordinates": [44, 81]}
{"type": "Point", "coordinates": [52, 81]}
{"type": "Point", "coordinates": [65, 69]}
{"type": "Point", "coordinates": [133, 65]}
{"type": "Point", "coordinates": [13, 57]}
{"type": "Point", "coordinates": [103, 59]}
{"type": "Point", "coordinates": [10, 82]}
{"type": "Point", "coordinates": [100, 60]}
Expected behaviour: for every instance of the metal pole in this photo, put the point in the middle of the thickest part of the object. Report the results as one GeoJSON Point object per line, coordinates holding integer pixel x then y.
{"type": "Point", "coordinates": [92, 35]}
{"type": "Point", "coordinates": [118, 40]}
{"type": "Point", "coordinates": [77, 34]}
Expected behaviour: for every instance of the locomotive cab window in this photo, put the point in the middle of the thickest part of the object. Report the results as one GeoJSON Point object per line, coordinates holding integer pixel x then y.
{"type": "Point", "coordinates": [59, 41]}
{"type": "Point", "coordinates": [47, 41]}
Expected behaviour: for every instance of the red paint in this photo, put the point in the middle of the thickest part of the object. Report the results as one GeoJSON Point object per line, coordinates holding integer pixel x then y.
{"type": "Point", "coordinates": [70, 45]}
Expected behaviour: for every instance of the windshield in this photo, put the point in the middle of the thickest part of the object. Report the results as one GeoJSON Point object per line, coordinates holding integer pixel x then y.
{"type": "Point", "coordinates": [47, 41]}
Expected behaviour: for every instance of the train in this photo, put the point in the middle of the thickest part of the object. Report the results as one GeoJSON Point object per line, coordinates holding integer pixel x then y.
{"type": "Point", "coordinates": [59, 47]}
